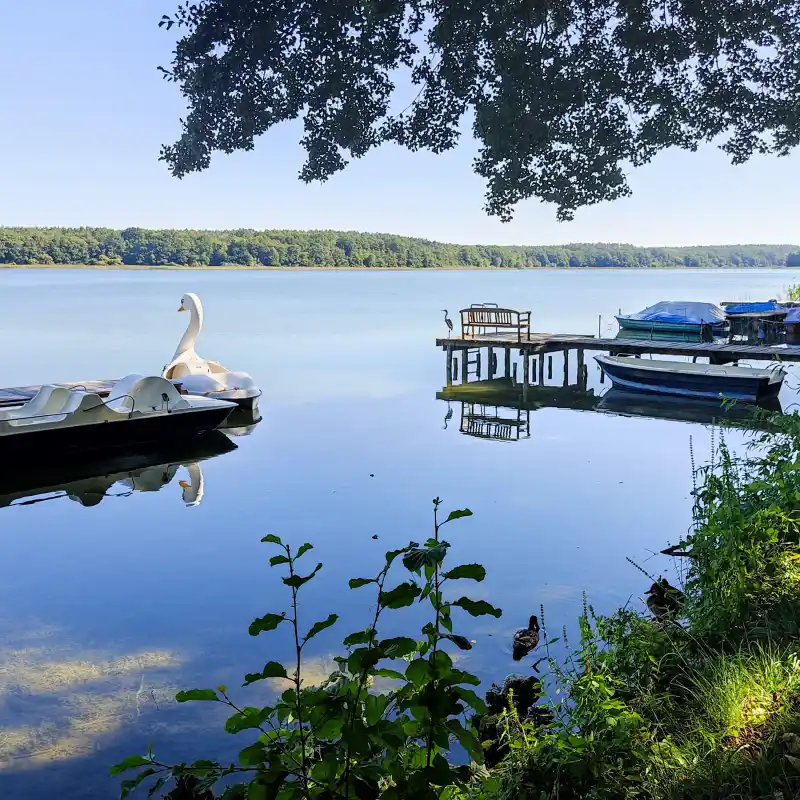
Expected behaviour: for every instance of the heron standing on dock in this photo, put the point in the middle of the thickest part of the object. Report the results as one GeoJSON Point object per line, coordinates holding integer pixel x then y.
{"type": "Point", "coordinates": [448, 322]}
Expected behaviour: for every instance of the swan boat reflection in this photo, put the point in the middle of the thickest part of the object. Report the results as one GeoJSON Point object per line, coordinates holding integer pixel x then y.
{"type": "Point", "coordinates": [88, 482]}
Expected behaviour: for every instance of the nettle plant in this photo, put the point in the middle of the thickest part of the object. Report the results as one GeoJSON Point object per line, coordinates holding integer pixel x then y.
{"type": "Point", "coordinates": [345, 737]}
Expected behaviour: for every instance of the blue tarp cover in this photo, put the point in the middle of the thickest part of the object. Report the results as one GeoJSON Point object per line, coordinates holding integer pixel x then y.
{"type": "Point", "coordinates": [793, 317]}
{"type": "Point", "coordinates": [752, 308]}
{"type": "Point", "coordinates": [684, 312]}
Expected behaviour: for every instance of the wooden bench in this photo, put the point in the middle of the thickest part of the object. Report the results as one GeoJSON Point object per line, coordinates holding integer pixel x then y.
{"type": "Point", "coordinates": [482, 320]}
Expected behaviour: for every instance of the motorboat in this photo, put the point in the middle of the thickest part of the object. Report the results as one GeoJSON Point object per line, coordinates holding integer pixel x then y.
{"type": "Point", "coordinates": [676, 316]}
{"type": "Point", "coordinates": [88, 480]}
{"type": "Point", "coordinates": [686, 379]}
{"type": "Point", "coordinates": [58, 422]}
{"type": "Point", "coordinates": [199, 376]}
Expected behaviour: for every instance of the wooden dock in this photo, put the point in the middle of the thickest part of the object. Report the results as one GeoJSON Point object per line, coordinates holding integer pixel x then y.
{"type": "Point", "coordinates": [474, 358]}
{"type": "Point", "coordinates": [719, 351]}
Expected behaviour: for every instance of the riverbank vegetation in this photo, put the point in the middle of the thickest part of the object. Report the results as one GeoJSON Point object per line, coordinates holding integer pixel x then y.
{"type": "Point", "coordinates": [283, 248]}
{"type": "Point", "coordinates": [694, 696]}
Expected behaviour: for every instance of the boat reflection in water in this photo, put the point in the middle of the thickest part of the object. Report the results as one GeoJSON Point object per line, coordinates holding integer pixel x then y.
{"type": "Point", "coordinates": [91, 480]}
{"type": "Point", "coordinates": [241, 422]}
{"type": "Point", "coordinates": [680, 409]}
{"type": "Point", "coordinates": [496, 409]}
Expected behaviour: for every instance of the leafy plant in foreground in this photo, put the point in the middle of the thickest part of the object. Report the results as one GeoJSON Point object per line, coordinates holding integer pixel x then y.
{"type": "Point", "coordinates": [343, 738]}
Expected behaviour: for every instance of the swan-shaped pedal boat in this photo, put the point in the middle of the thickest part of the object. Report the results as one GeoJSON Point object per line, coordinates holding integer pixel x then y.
{"type": "Point", "coordinates": [198, 376]}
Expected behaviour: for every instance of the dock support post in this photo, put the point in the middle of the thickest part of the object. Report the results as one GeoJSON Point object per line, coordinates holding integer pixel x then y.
{"type": "Point", "coordinates": [549, 368]}
{"type": "Point", "coordinates": [464, 367]}
{"type": "Point", "coordinates": [478, 372]}
{"type": "Point", "coordinates": [566, 368]}
{"type": "Point", "coordinates": [541, 370]}
{"type": "Point", "coordinates": [581, 366]}
{"type": "Point", "coordinates": [534, 362]}
{"type": "Point", "coordinates": [450, 365]}
{"type": "Point", "coordinates": [514, 375]}
{"type": "Point", "coordinates": [491, 363]}
{"type": "Point", "coordinates": [526, 362]}
{"type": "Point", "coordinates": [507, 362]}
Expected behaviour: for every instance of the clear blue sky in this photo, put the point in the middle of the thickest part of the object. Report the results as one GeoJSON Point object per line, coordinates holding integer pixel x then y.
{"type": "Point", "coordinates": [84, 112]}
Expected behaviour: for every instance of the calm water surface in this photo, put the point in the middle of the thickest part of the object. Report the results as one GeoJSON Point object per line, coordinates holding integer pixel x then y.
{"type": "Point", "coordinates": [106, 608]}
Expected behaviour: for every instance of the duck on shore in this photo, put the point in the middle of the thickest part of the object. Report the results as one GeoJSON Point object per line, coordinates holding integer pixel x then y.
{"type": "Point", "coordinates": [664, 599]}
{"type": "Point", "coordinates": [526, 639]}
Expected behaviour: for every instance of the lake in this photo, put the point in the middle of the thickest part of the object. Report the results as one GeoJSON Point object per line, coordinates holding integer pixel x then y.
{"type": "Point", "coordinates": [111, 602]}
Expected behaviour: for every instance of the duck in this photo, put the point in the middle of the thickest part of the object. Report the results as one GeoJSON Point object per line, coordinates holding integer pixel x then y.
{"type": "Point", "coordinates": [526, 639]}
{"type": "Point", "coordinates": [200, 376]}
{"type": "Point", "coordinates": [664, 599]}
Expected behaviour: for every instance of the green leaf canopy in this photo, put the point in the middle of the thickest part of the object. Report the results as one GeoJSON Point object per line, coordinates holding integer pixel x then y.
{"type": "Point", "coordinates": [562, 96]}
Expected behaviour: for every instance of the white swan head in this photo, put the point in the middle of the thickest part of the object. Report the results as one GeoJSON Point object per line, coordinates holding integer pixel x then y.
{"type": "Point", "coordinates": [191, 302]}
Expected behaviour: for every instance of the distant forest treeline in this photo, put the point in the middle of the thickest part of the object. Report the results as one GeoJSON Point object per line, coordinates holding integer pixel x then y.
{"type": "Point", "coordinates": [138, 246]}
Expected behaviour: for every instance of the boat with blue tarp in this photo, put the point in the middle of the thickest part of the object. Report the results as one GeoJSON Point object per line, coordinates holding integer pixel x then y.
{"type": "Point", "coordinates": [762, 307]}
{"type": "Point", "coordinates": [676, 316]}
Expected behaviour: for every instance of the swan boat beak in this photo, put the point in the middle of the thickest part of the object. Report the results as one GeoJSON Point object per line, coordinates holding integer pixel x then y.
{"type": "Point", "coordinates": [181, 309]}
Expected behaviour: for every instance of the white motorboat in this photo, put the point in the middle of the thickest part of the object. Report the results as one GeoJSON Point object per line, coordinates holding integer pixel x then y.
{"type": "Point", "coordinates": [197, 375]}
{"type": "Point", "coordinates": [59, 422]}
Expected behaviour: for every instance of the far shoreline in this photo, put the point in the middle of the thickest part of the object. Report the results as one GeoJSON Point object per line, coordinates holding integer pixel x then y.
{"type": "Point", "coordinates": [317, 268]}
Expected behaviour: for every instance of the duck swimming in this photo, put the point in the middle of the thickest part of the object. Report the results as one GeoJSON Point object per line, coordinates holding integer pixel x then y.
{"type": "Point", "coordinates": [526, 639]}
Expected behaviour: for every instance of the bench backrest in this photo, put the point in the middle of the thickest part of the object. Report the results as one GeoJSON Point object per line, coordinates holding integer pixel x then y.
{"type": "Point", "coordinates": [491, 316]}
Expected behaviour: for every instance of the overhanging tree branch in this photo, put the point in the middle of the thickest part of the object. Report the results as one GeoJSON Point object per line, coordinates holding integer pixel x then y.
{"type": "Point", "coordinates": [566, 94]}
